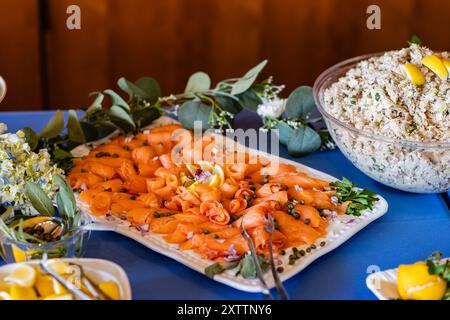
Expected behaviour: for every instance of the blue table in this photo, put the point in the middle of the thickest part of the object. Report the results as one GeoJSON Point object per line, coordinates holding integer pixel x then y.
{"type": "Point", "coordinates": [414, 226]}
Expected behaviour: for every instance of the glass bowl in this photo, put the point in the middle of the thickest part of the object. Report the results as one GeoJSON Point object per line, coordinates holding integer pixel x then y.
{"type": "Point", "coordinates": [71, 246]}
{"type": "Point", "coordinates": [414, 166]}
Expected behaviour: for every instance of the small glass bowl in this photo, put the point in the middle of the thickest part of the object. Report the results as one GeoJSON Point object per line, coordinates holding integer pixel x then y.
{"type": "Point", "coordinates": [71, 246]}
{"type": "Point", "coordinates": [414, 166]}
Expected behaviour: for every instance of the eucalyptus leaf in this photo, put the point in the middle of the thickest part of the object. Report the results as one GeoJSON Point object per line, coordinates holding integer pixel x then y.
{"type": "Point", "coordinates": [65, 199]}
{"type": "Point", "coordinates": [303, 140]}
{"type": "Point", "coordinates": [194, 110]}
{"type": "Point", "coordinates": [39, 199]}
{"type": "Point", "coordinates": [285, 132]}
{"type": "Point", "coordinates": [151, 87]}
{"type": "Point", "coordinates": [97, 104]}
{"type": "Point", "coordinates": [31, 137]}
{"type": "Point", "coordinates": [228, 104]}
{"type": "Point", "coordinates": [121, 119]}
{"type": "Point", "coordinates": [145, 116]}
{"type": "Point", "coordinates": [116, 99]}
{"type": "Point", "coordinates": [214, 269]}
{"type": "Point", "coordinates": [55, 125]}
{"type": "Point", "coordinates": [74, 129]}
{"type": "Point", "coordinates": [248, 79]}
{"type": "Point", "coordinates": [198, 82]}
{"type": "Point", "coordinates": [105, 128]}
{"type": "Point", "coordinates": [249, 100]}
{"type": "Point", "coordinates": [217, 268]}
{"type": "Point", "coordinates": [300, 103]}
{"type": "Point", "coordinates": [247, 267]}
{"type": "Point", "coordinates": [89, 131]}
{"type": "Point", "coordinates": [61, 154]}
{"type": "Point", "coordinates": [130, 88]}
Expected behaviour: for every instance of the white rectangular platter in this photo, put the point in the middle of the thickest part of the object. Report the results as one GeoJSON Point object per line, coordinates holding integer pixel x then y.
{"type": "Point", "coordinates": [340, 230]}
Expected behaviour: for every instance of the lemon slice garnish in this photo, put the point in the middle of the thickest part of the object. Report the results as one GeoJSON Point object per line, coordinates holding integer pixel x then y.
{"type": "Point", "coordinates": [413, 74]}
{"type": "Point", "coordinates": [219, 172]}
{"type": "Point", "coordinates": [191, 168]}
{"type": "Point", "coordinates": [206, 165]}
{"type": "Point", "coordinates": [59, 297]}
{"type": "Point", "coordinates": [192, 186]}
{"type": "Point", "coordinates": [436, 65]}
{"type": "Point", "coordinates": [24, 276]}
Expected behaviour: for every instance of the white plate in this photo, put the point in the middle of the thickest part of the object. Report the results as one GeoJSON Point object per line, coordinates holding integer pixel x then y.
{"type": "Point", "coordinates": [339, 231]}
{"type": "Point", "coordinates": [383, 284]}
{"type": "Point", "coordinates": [98, 270]}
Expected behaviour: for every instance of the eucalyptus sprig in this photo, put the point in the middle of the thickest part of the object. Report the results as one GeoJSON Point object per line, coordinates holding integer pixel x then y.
{"type": "Point", "coordinates": [300, 130]}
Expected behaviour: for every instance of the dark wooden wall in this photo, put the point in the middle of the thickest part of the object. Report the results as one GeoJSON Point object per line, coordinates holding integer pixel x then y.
{"type": "Point", "coordinates": [170, 39]}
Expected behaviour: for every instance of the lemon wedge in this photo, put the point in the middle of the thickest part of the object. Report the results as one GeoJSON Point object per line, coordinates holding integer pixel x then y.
{"type": "Point", "coordinates": [59, 297]}
{"type": "Point", "coordinates": [24, 276]}
{"type": "Point", "coordinates": [447, 64]}
{"type": "Point", "coordinates": [111, 289]}
{"type": "Point", "coordinates": [59, 266]}
{"type": "Point", "coordinates": [413, 74]}
{"type": "Point", "coordinates": [22, 293]}
{"type": "Point", "coordinates": [44, 286]}
{"type": "Point", "coordinates": [221, 176]}
{"type": "Point", "coordinates": [414, 282]}
{"type": "Point", "coordinates": [436, 65]}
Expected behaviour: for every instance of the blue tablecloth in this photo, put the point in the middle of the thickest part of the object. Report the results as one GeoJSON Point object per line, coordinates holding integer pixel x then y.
{"type": "Point", "coordinates": [414, 226]}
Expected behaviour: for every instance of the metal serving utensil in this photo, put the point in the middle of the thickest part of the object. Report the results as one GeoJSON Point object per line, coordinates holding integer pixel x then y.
{"type": "Point", "coordinates": [90, 285]}
{"type": "Point", "coordinates": [278, 283]}
{"type": "Point", "coordinates": [248, 238]}
{"type": "Point", "coordinates": [77, 293]}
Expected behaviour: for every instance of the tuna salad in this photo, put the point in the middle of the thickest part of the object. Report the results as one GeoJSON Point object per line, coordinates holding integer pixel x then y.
{"type": "Point", "coordinates": [401, 95]}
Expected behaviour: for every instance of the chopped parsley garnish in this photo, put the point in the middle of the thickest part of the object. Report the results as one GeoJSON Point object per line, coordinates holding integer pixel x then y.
{"type": "Point", "coordinates": [361, 199]}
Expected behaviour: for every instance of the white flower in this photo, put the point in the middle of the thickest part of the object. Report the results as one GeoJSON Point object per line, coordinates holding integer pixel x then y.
{"type": "Point", "coordinates": [272, 108]}
{"type": "Point", "coordinates": [19, 165]}
{"type": "Point", "coordinates": [3, 127]}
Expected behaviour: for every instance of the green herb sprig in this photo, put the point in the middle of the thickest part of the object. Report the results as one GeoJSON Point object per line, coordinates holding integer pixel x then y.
{"type": "Point", "coordinates": [438, 268]}
{"type": "Point", "coordinates": [361, 199]}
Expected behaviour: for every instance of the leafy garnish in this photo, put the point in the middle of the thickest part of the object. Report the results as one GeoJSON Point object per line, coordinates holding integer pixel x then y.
{"type": "Point", "coordinates": [415, 40]}
{"type": "Point", "coordinates": [39, 199]}
{"type": "Point", "coordinates": [437, 267]}
{"type": "Point", "coordinates": [245, 267]}
{"type": "Point", "coordinates": [218, 268]}
{"type": "Point", "coordinates": [360, 199]}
